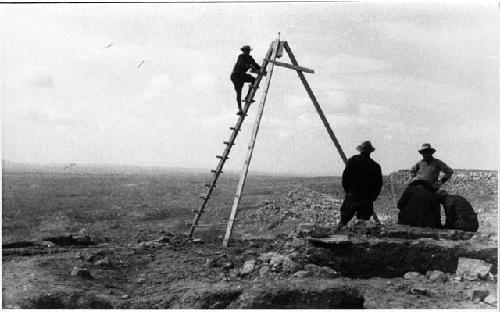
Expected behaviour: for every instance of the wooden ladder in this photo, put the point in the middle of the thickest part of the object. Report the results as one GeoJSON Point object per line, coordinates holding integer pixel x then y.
{"type": "Point", "coordinates": [229, 143]}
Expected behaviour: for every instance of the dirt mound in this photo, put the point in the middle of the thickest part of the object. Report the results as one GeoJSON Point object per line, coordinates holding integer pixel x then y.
{"type": "Point", "coordinates": [468, 183]}
{"type": "Point", "coordinates": [299, 294]}
{"type": "Point", "coordinates": [62, 300]}
{"type": "Point", "coordinates": [283, 213]}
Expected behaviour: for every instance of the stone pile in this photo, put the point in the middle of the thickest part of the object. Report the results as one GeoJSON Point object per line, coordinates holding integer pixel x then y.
{"type": "Point", "coordinates": [282, 214]}
{"type": "Point", "coordinates": [463, 182]}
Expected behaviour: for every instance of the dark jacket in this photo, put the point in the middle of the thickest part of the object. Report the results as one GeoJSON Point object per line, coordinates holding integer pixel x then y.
{"type": "Point", "coordinates": [244, 63]}
{"type": "Point", "coordinates": [362, 177]}
{"type": "Point", "coordinates": [459, 214]}
{"type": "Point", "coordinates": [419, 206]}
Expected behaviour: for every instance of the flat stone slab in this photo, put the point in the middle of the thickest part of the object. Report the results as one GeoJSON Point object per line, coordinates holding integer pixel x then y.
{"type": "Point", "coordinates": [338, 239]}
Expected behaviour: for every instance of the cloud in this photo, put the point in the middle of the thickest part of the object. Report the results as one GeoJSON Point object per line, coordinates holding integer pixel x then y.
{"type": "Point", "coordinates": [157, 87]}
{"type": "Point", "coordinates": [349, 64]}
{"type": "Point", "coordinates": [341, 103]}
{"type": "Point", "coordinates": [203, 80]}
{"type": "Point", "coordinates": [40, 78]}
{"type": "Point", "coordinates": [374, 111]}
{"type": "Point", "coordinates": [53, 117]}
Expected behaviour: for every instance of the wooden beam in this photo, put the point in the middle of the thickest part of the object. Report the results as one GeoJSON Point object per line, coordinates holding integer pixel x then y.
{"type": "Point", "coordinates": [251, 144]}
{"type": "Point", "coordinates": [315, 103]}
{"type": "Point", "coordinates": [295, 67]}
{"type": "Point", "coordinates": [320, 112]}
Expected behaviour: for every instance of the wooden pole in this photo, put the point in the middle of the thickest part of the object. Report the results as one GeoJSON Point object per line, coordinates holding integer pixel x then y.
{"type": "Point", "coordinates": [251, 144]}
{"type": "Point", "coordinates": [305, 70]}
{"type": "Point", "coordinates": [316, 104]}
{"type": "Point", "coordinates": [320, 111]}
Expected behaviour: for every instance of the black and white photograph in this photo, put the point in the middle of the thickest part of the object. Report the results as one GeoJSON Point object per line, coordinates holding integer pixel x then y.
{"type": "Point", "coordinates": [250, 154]}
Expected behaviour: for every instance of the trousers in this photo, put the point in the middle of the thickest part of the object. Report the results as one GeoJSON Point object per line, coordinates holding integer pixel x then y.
{"type": "Point", "coordinates": [362, 208]}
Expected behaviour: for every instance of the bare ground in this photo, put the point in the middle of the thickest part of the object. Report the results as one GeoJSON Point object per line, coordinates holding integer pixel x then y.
{"type": "Point", "coordinates": [138, 258]}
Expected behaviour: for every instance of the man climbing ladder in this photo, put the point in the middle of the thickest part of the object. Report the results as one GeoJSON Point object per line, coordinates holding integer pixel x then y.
{"type": "Point", "coordinates": [239, 75]}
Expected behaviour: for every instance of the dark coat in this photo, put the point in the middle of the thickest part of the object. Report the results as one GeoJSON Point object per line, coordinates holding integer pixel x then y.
{"type": "Point", "coordinates": [362, 178]}
{"type": "Point", "coordinates": [419, 206]}
{"type": "Point", "coordinates": [244, 63]}
{"type": "Point", "coordinates": [459, 214]}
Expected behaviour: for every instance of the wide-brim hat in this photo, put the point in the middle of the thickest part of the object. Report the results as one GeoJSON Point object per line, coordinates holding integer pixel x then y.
{"type": "Point", "coordinates": [246, 48]}
{"type": "Point", "coordinates": [366, 146]}
{"type": "Point", "coordinates": [426, 147]}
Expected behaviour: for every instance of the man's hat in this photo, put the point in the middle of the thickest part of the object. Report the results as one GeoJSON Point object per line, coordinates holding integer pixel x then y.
{"type": "Point", "coordinates": [246, 48]}
{"type": "Point", "coordinates": [366, 146]}
{"type": "Point", "coordinates": [426, 147]}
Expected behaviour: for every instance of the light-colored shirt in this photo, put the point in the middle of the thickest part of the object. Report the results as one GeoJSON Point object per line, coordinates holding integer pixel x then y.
{"type": "Point", "coordinates": [429, 170]}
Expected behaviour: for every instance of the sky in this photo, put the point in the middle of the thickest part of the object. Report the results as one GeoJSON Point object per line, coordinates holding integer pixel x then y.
{"type": "Point", "coordinates": [396, 74]}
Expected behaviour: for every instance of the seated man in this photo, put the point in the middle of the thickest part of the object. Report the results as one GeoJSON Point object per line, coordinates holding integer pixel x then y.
{"type": "Point", "coordinates": [419, 205]}
{"type": "Point", "coordinates": [459, 212]}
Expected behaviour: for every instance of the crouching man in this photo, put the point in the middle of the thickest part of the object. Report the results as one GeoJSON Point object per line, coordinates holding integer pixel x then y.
{"type": "Point", "coordinates": [459, 212]}
{"type": "Point", "coordinates": [419, 205]}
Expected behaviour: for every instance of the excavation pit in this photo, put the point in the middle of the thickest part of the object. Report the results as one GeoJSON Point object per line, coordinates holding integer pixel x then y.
{"type": "Point", "coordinates": [371, 256]}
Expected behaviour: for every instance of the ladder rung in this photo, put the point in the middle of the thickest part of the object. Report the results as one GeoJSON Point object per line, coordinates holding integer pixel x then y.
{"type": "Point", "coordinates": [209, 184]}
{"type": "Point", "coordinates": [203, 197]}
{"type": "Point", "coordinates": [221, 157]}
{"type": "Point", "coordinates": [234, 129]}
{"type": "Point", "coordinates": [212, 224]}
{"type": "Point", "coordinates": [215, 171]}
{"type": "Point", "coordinates": [251, 101]}
{"type": "Point", "coordinates": [229, 143]}
{"type": "Point", "coordinates": [194, 210]}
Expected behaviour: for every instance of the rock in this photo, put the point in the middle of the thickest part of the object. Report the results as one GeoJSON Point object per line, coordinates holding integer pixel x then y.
{"type": "Point", "coordinates": [253, 245]}
{"type": "Point", "coordinates": [227, 266]}
{"type": "Point", "coordinates": [162, 239]}
{"type": "Point", "coordinates": [284, 264]}
{"type": "Point", "coordinates": [104, 262]}
{"type": "Point", "coordinates": [491, 299]}
{"type": "Point", "coordinates": [492, 277]}
{"type": "Point", "coordinates": [209, 263]}
{"type": "Point", "coordinates": [79, 255]}
{"type": "Point", "coordinates": [318, 271]}
{"type": "Point", "coordinates": [234, 272]}
{"type": "Point", "coordinates": [302, 274]}
{"type": "Point", "coordinates": [248, 267]}
{"type": "Point", "coordinates": [222, 277]}
{"type": "Point", "coordinates": [46, 244]}
{"type": "Point", "coordinates": [328, 272]}
{"type": "Point", "coordinates": [249, 252]}
{"type": "Point", "coordinates": [125, 297]}
{"type": "Point", "coordinates": [266, 257]}
{"type": "Point", "coordinates": [264, 270]}
{"type": "Point", "coordinates": [420, 291]}
{"type": "Point", "coordinates": [305, 229]}
{"type": "Point", "coordinates": [412, 275]}
{"type": "Point", "coordinates": [472, 269]}
{"type": "Point", "coordinates": [81, 272]}
{"type": "Point", "coordinates": [479, 293]}
{"type": "Point", "coordinates": [141, 280]}
{"type": "Point", "coordinates": [436, 275]}
{"type": "Point", "coordinates": [312, 230]}
{"type": "Point", "coordinates": [296, 242]}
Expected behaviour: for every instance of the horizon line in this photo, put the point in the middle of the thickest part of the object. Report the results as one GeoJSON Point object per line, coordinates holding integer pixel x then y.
{"type": "Point", "coordinates": [6, 162]}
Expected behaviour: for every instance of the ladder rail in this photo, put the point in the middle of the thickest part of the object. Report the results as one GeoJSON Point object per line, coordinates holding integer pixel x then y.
{"type": "Point", "coordinates": [230, 142]}
{"type": "Point", "coordinates": [251, 145]}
